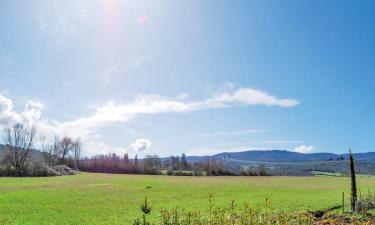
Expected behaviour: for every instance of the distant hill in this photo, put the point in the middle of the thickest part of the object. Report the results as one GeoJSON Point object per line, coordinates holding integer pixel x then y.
{"type": "Point", "coordinates": [280, 156]}
{"type": "Point", "coordinates": [282, 162]}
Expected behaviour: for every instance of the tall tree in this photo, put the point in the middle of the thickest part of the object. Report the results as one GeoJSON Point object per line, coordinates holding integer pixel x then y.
{"type": "Point", "coordinates": [18, 143]}
{"type": "Point", "coordinates": [47, 150]}
{"type": "Point", "coordinates": [353, 199]}
{"type": "Point", "coordinates": [66, 145]}
{"type": "Point", "coordinates": [126, 159]}
{"type": "Point", "coordinates": [77, 152]}
{"type": "Point", "coordinates": [136, 162]}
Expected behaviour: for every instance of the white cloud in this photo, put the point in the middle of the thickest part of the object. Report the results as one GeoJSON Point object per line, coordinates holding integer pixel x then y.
{"type": "Point", "coordinates": [141, 144]}
{"type": "Point", "coordinates": [304, 149]}
{"type": "Point", "coordinates": [111, 113]}
{"type": "Point", "coordinates": [115, 70]}
{"type": "Point", "coordinates": [6, 107]}
{"type": "Point", "coordinates": [251, 96]}
{"type": "Point", "coordinates": [30, 114]}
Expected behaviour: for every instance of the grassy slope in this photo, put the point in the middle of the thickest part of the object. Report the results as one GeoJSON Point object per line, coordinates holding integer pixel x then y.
{"type": "Point", "coordinates": [113, 199]}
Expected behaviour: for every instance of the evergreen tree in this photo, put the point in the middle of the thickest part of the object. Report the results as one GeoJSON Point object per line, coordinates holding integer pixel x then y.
{"type": "Point", "coordinates": [353, 199]}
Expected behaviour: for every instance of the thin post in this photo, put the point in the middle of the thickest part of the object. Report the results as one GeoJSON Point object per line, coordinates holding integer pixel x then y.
{"type": "Point", "coordinates": [343, 203]}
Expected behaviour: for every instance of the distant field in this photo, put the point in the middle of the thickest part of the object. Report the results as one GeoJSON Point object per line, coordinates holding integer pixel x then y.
{"type": "Point", "coordinates": [113, 199]}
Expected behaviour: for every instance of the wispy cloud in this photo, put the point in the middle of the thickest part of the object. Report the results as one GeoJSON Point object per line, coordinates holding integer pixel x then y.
{"type": "Point", "coordinates": [114, 113]}
{"type": "Point", "coordinates": [110, 73]}
{"type": "Point", "coordinates": [251, 96]}
{"type": "Point", "coordinates": [56, 28]}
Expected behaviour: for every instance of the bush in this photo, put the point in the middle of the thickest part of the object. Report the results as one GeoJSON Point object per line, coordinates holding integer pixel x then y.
{"type": "Point", "coordinates": [183, 173]}
{"type": "Point", "coordinates": [7, 171]}
{"type": "Point", "coordinates": [64, 170]}
{"type": "Point", "coordinates": [169, 172]}
{"type": "Point", "coordinates": [38, 169]}
{"type": "Point", "coordinates": [198, 173]}
{"type": "Point", "coordinates": [33, 169]}
{"type": "Point", "coordinates": [365, 202]}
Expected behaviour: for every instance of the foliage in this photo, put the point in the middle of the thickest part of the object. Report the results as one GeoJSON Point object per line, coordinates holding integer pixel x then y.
{"type": "Point", "coordinates": [365, 203]}
{"type": "Point", "coordinates": [353, 193]}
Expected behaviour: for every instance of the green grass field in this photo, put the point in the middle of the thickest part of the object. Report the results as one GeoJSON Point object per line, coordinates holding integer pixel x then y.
{"type": "Point", "coordinates": [114, 199]}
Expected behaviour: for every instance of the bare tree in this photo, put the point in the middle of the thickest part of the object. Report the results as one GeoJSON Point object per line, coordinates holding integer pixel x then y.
{"type": "Point", "coordinates": [47, 151]}
{"type": "Point", "coordinates": [18, 141]}
{"type": "Point", "coordinates": [55, 151]}
{"type": "Point", "coordinates": [77, 152]}
{"type": "Point", "coordinates": [65, 146]}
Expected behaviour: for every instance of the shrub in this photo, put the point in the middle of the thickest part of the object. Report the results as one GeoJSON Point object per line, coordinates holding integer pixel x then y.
{"type": "Point", "coordinates": [365, 202]}
{"type": "Point", "coordinates": [232, 215]}
{"type": "Point", "coordinates": [38, 169]}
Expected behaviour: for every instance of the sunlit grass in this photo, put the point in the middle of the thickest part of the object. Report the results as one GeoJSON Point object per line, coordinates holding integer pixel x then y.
{"type": "Point", "coordinates": [114, 199]}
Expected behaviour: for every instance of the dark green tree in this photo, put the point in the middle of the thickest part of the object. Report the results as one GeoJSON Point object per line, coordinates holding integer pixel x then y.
{"type": "Point", "coordinates": [353, 198]}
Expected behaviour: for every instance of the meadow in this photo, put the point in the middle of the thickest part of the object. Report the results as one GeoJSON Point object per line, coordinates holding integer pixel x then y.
{"type": "Point", "coordinates": [90, 198]}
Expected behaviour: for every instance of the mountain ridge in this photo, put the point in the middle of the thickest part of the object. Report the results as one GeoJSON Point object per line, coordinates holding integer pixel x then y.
{"type": "Point", "coordinates": [281, 156]}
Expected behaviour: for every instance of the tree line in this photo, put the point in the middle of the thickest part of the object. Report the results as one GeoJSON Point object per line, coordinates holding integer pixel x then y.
{"type": "Point", "coordinates": [19, 158]}
{"type": "Point", "coordinates": [150, 164]}
{"type": "Point", "coordinates": [174, 165]}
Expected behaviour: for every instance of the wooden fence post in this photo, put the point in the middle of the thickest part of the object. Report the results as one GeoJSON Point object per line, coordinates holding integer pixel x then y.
{"type": "Point", "coordinates": [343, 203]}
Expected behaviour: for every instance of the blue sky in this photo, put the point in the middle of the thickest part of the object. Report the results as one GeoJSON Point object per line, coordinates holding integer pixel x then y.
{"type": "Point", "coordinates": [200, 77]}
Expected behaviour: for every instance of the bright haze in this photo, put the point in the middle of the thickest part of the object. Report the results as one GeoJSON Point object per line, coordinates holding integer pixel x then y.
{"type": "Point", "coordinates": [200, 77]}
